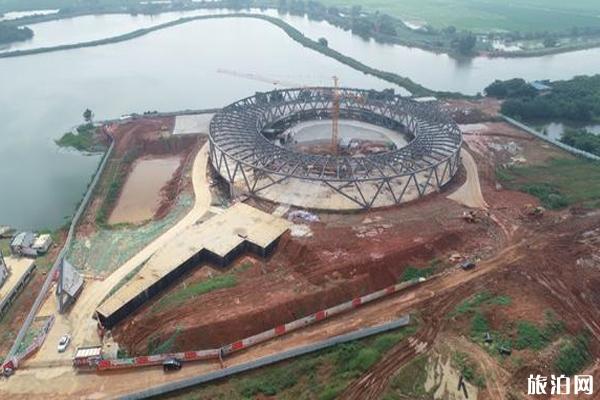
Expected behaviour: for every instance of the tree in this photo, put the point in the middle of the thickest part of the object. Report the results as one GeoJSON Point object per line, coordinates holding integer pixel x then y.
{"type": "Point", "coordinates": [550, 42]}
{"type": "Point", "coordinates": [387, 25]}
{"type": "Point", "coordinates": [9, 33]}
{"type": "Point", "coordinates": [465, 43]}
{"type": "Point", "coordinates": [509, 89]}
{"type": "Point", "coordinates": [88, 116]}
{"type": "Point", "coordinates": [450, 30]}
{"type": "Point", "coordinates": [362, 27]}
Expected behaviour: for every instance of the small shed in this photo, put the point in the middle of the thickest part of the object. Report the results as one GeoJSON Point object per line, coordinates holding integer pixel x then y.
{"type": "Point", "coordinates": [21, 244]}
{"type": "Point", "coordinates": [70, 284]}
{"type": "Point", "coordinates": [42, 243]}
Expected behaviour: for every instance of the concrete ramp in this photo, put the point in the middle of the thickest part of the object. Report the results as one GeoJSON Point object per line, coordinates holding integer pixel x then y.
{"type": "Point", "coordinates": [219, 240]}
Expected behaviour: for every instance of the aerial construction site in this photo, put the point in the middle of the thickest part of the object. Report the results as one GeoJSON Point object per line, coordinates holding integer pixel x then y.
{"type": "Point", "coordinates": [291, 221]}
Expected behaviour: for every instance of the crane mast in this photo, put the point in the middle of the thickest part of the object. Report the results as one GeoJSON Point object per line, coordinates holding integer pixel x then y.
{"type": "Point", "coordinates": [335, 116]}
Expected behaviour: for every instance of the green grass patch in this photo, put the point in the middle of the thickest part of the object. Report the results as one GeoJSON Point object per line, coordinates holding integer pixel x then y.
{"type": "Point", "coordinates": [275, 380]}
{"type": "Point", "coordinates": [186, 292]}
{"type": "Point", "coordinates": [573, 355]}
{"type": "Point", "coordinates": [529, 336]}
{"type": "Point", "coordinates": [84, 140]}
{"type": "Point", "coordinates": [410, 380]}
{"type": "Point", "coordinates": [5, 247]}
{"type": "Point", "coordinates": [479, 325]}
{"type": "Point", "coordinates": [557, 183]}
{"type": "Point", "coordinates": [486, 16]}
{"type": "Point", "coordinates": [473, 303]}
{"type": "Point", "coordinates": [548, 194]}
{"type": "Point", "coordinates": [322, 375]}
{"type": "Point", "coordinates": [413, 273]}
{"type": "Point", "coordinates": [468, 369]}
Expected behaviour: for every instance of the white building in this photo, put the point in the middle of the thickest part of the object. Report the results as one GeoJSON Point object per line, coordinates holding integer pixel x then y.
{"type": "Point", "coordinates": [42, 243]}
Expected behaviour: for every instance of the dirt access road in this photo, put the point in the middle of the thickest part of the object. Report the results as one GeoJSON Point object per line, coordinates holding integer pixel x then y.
{"type": "Point", "coordinates": [78, 322]}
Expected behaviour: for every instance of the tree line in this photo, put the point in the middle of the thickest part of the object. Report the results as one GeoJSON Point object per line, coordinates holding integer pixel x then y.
{"type": "Point", "coordinates": [577, 99]}
{"type": "Point", "coordinates": [379, 26]}
{"type": "Point", "coordinates": [10, 33]}
{"type": "Point", "coordinates": [583, 140]}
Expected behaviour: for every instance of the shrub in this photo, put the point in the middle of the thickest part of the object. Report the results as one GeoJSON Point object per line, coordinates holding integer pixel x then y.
{"type": "Point", "coordinates": [529, 336]}
{"type": "Point", "coordinates": [548, 195]}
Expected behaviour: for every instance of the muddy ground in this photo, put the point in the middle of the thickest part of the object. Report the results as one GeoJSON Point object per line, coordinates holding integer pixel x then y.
{"type": "Point", "coordinates": [342, 256]}
{"type": "Point", "coordinates": [345, 255]}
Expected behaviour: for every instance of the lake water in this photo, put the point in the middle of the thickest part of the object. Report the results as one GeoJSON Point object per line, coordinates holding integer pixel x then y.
{"type": "Point", "coordinates": [555, 130]}
{"type": "Point", "coordinates": [44, 95]}
{"type": "Point", "coordinates": [93, 27]}
{"type": "Point", "coordinates": [435, 71]}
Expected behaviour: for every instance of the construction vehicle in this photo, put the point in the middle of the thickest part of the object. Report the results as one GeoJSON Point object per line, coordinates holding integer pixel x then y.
{"type": "Point", "coordinates": [534, 212]}
{"type": "Point", "coordinates": [470, 216]}
{"type": "Point", "coordinates": [467, 265]}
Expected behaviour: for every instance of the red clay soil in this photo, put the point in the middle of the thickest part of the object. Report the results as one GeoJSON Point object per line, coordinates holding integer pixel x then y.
{"type": "Point", "coordinates": [555, 283]}
{"type": "Point", "coordinates": [352, 254]}
{"type": "Point", "coordinates": [129, 134]}
{"type": "Point", "coordinates": [308, 274]}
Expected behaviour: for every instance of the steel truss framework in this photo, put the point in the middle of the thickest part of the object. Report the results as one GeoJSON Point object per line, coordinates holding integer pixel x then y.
{"type": "Point", "coordinates": [244, 156]}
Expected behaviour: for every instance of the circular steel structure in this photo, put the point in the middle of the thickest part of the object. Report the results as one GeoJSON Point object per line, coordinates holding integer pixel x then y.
{"type": "Point", "coordinates": [249, 161]}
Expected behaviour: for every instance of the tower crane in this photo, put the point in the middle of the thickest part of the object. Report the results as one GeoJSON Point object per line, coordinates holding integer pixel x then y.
{"type": "Point", "coordinates": [335, 94]}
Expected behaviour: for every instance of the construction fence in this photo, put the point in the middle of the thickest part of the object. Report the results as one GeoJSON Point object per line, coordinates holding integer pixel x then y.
{"type": "Point", "coordinates": [224, 351]}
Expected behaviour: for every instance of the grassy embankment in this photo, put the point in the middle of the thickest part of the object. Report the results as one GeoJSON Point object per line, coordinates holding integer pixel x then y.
{"type": "Point", "coordinates": [323, 375]}
{"type": "Point", "coordinates": [558, 183]}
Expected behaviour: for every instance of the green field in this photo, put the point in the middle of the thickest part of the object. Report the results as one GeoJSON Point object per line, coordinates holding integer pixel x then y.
{"type": "Point", "coordinates": [489, 15]}
{"type": "Point", "coordinates": [476, 15]}
{"type": "Point", "coordinates": [558, 183]}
